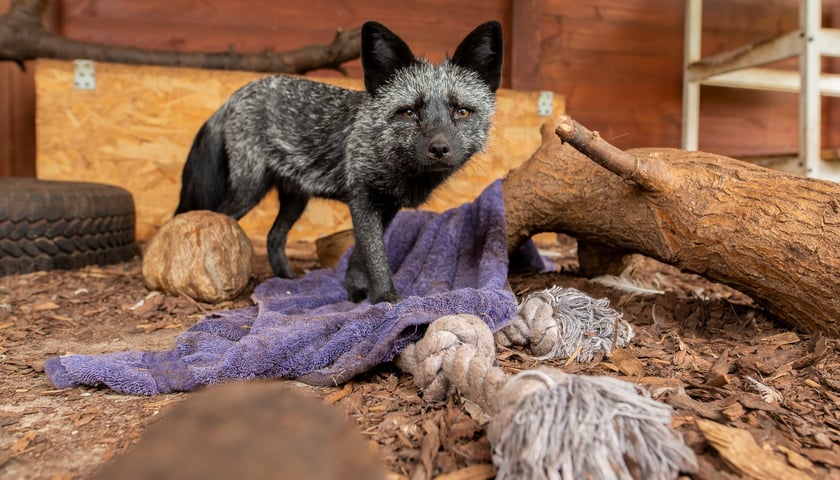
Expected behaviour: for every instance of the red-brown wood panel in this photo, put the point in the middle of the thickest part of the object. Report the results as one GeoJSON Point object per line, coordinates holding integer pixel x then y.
{"type": "Point", "coordinates": [17, 121]}
{"type": "Point", "coordinates": [432, 28]}
{"type": "Point", "coordinates": [23, 120]}
{"type": "Point", "coordinates": [525, 45]}
{"type": "Point", "coordinates": [6, 144]}
{"type": "Point", "coordinates": [17, 113]}
{"type": "Point", "coordinates": [619, 63]}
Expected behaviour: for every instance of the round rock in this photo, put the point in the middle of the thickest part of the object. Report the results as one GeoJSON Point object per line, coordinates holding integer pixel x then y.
{"type": "Point", "coordinates": [202, 254]}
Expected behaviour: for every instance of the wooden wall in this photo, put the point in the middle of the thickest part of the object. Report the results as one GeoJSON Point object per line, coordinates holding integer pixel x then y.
{"type": "Point", "coordinates": [250, 25]}
{"type": "Point", "coordinates": [17, 121]}
{"type": "Point", "coordinates": [256, 25]}
{"type": "Point", "coordinates": [618, 62]}
{"type": "Point", "coordinates": [135, 129]}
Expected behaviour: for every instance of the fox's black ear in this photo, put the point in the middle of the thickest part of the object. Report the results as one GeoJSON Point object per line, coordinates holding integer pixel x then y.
{"type": "Point", "coordinates": [481, 51]}
{"type": "Point", "coordinates": [383, 52]}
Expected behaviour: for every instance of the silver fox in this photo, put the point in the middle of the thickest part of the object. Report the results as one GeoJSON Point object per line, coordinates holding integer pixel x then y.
{"type": "Point", "coordinates": [377, 150]}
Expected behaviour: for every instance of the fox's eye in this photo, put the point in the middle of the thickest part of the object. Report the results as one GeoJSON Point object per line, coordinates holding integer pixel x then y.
{"type": "Point", "coordinates": [462, 112]}
{"type": "Point", "coordinates": [409, 113]}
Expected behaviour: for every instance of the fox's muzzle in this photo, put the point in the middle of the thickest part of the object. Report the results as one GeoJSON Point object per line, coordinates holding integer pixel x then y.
{"type": "Point", "coordinates": [438, 148]}
{"type": "Point", "coordinates": [437, 152]}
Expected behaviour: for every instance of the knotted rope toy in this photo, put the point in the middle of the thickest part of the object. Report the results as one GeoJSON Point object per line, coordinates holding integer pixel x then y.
{"type": "Point", "coordinates": [546, 424]}
{"type": "Point", "coordinates": [565, 322]}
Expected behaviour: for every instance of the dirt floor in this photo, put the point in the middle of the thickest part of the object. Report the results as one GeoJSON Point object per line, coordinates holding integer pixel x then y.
{"type": "Point", "coordinates": [701, 347]}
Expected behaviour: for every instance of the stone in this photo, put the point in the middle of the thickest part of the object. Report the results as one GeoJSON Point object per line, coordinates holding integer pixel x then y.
{"type": "Point", "coordinates": [202, 254]}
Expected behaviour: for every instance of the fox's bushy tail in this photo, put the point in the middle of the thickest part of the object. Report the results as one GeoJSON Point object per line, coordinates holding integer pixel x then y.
{"type": "Point", "coordinates": [204, 181]}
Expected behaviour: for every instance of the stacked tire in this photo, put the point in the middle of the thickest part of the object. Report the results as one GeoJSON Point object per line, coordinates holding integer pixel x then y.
{"type": "Point", "coordinates": [46, 225]}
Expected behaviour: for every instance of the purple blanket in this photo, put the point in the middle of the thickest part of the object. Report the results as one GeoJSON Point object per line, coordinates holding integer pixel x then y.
{"type": "Point", "coordinates": [307, 329]}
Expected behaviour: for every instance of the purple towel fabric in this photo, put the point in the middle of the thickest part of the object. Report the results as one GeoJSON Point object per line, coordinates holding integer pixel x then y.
{"type": "Point", "coordinates": [307, 329]}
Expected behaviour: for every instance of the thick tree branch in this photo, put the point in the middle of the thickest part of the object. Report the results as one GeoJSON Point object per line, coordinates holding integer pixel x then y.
{"type": "Point", "coordinates": [24, 37]}
{"type": "Point", "coordinates": [769, 234]}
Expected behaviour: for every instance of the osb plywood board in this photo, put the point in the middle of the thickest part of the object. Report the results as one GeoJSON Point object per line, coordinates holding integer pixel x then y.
{"type": "Point", "coordinates": [135, 128]}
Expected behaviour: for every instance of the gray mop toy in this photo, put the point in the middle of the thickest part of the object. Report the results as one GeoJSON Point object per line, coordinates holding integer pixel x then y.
{"type": "Point", "coordinates": [546, 424]}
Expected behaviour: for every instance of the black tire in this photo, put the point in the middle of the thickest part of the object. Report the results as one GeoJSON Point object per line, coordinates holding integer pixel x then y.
{"type": "Point", "coordinates": [47, 225]}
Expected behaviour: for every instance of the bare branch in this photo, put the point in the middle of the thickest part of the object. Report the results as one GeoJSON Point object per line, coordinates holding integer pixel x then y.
{"type": "Point", "coordinates": [23, 37]}
{"type": "Point", "coordinates": [623, 164]}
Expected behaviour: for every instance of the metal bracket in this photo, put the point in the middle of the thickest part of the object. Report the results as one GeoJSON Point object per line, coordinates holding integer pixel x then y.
{"type": "Point", "coordinates": [84, 75]}
{"type": "Point", "coordinates": [545, 103]}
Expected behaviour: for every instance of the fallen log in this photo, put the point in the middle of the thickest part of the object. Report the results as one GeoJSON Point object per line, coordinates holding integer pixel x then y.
{"type": "Point", "coordinates": [771, 235]}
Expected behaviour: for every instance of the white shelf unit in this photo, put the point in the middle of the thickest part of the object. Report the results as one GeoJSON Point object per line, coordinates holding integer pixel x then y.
{"type": "Point", "coordinates": [742, 68]}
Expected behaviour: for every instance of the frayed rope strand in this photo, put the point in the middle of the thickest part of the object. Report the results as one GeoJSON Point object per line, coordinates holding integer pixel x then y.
{"type": "Point", "coordinates": [560, 322]}
{"type": "Point", "coordinates": [570, 427]}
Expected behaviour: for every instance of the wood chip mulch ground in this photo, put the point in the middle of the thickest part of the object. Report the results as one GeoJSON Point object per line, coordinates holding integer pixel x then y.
{"type": "Point", "coordinates": [752, 398]}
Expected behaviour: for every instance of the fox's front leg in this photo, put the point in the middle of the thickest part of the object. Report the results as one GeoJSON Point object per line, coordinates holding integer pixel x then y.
{"type": "Point", "coordinates": [368, 273]}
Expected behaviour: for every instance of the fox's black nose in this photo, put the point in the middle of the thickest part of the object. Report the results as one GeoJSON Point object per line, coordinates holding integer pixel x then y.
{"type": "Point", "coordinates": [438, 149]}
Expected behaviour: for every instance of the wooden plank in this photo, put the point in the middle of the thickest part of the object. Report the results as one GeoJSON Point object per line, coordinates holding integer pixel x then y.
{"type": "Point", "coordinates": [136, 127]}
{"type": "Point", "coordinates": [5, 121]}
{"type": "Point", "coordinates": [289, 15]}
{"type": "Point", "coordinates": [779, 133]}
{"type": "Point", "coordinates": [17, 111]}
{"type": "Point", "coordinates": [779, 48]}
{"type": "Point", "coordinates": [525, 58]}
{"type": "Point", "coordinates": [731, 23]}
{"type": "Point", "coordinates": [775, 80]}
{"type": "Point", "coordinates": [254, 25]}
{"type": "Point", "coordinates": [6, 99]}
{"type": "Point", "coordinates": [691, 90]}
{"type": "Point", "coordinates": [619, 65]}
{"type": "Point", "coordinates": [829, 42]}
{"type": "Point", "coordinates": [23, 121]}
{"type": "Point", "coordinates": [17, 121]}
{"type": "Point", "coordinates": [810, 104]}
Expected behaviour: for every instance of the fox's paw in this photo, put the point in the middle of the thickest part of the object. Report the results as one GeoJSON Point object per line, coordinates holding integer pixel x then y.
{"type": "Point", "coordinates": [280, 266]}
{"type": "Point", "coordinates": [357, 295]}
{"type": "Point", "coordinates": [356, 284]}
{"type": "Point", "coordinates": [390, 297]}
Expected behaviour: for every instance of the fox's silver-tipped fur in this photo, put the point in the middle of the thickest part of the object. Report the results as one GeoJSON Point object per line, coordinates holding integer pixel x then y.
{"type": "Point", "coordinates": [377, 150]}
